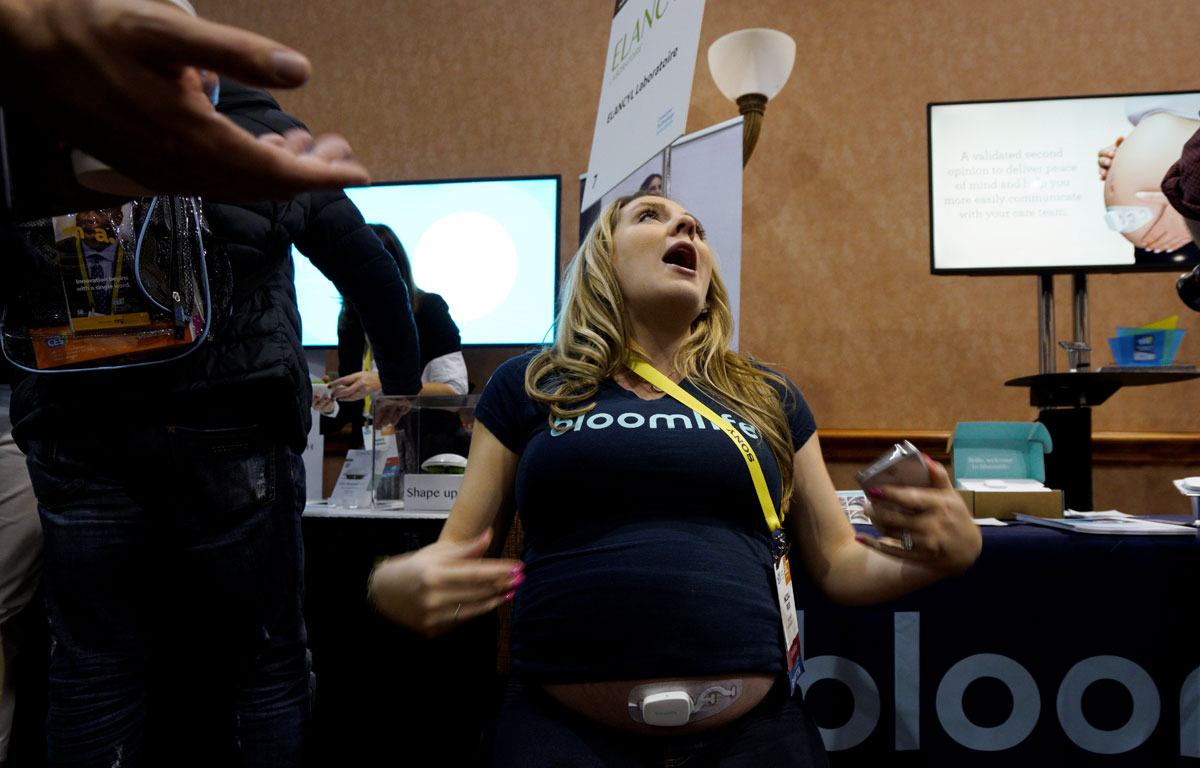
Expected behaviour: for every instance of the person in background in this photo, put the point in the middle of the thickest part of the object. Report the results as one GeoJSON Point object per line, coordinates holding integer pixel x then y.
{"type": "Point", "coordinates": [648, 559]}
{"type": "Point", "coordinates": [1181, 185]}
{"type": "Point", "coordinates": [1181, 188]}
{"type": "Point", "coordinates": [145, 112]}
{"type": "Point", "coordinates": [20, 562]}
{"type": "Point", "coordinates": [170, 499]}
{"type": "Point", "coordinates": [443, 369]}
{"type": "Point", "coordinates": [652, 185]}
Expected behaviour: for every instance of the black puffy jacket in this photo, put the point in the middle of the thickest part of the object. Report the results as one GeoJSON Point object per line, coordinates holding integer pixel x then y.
{"type": "Point", "coordinates": [252, 371]}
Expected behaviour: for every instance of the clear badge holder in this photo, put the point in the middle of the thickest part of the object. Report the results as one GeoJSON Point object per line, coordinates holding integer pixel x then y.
{"type": "Point", "coordinates": [112, 288]}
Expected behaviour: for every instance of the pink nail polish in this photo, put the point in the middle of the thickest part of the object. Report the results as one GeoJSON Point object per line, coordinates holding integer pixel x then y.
{"type": "Point", "coordinates": [511, 594]}
{"type": "Point", "coordinates": [515, 572]}
{"type": "Point", "coordinates": [875, 493]}
{"type": "Point", "coordinates": [518, 579]}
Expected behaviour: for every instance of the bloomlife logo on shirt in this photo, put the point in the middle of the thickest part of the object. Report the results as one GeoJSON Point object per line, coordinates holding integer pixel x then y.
{"type": "Point", "coordinates": [600, 420]}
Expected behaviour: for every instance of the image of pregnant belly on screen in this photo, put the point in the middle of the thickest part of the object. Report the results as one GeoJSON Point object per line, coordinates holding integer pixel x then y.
{"type": "Point", "coordinates": [1132, 169]}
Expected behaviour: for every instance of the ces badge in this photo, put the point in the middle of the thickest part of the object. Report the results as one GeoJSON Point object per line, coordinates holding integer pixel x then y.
{"type": "Point", "coordinates": [791, 627]}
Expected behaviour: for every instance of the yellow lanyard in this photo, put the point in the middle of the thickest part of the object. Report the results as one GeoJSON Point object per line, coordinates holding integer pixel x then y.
{"type": "Point", "coordinates": [651, 374]}
{"type": "Point", "coordinates": [367, 367]}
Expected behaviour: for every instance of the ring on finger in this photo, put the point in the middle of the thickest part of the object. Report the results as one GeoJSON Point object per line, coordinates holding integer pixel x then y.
{"type": "Point", "coordinates": [906, 540]}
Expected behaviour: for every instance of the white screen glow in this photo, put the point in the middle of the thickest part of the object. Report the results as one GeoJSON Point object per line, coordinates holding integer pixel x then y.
{"type": "Point", "coordinates": [489, 248]}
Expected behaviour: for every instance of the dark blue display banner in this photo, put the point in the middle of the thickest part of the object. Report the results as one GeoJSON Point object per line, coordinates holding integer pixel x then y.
{"type": "Point", "coordinates": [1056, 648]}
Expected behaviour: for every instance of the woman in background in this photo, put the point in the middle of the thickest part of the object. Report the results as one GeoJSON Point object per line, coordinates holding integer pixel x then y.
{"type": "Point", "coordinates": [653, 184]}
{"type": "Point", "coordinates": [443, 369]}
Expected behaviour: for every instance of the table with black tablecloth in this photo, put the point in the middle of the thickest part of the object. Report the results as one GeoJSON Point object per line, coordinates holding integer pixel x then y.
{"type": "Point", "coordinates": [1055, 646]}
{"type": "Point", "coordinates": [1058, 648]}
{"type": "Point", "coordinates": [384, 694]}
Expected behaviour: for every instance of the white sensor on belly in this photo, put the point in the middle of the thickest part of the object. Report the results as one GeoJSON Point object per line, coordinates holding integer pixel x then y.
{"type": "Point", "coordinates": [667, 708]}
{"type": "Point", "coordinates": [675, 702]}
{"type": "Point", "coordinates": [1126, 218]}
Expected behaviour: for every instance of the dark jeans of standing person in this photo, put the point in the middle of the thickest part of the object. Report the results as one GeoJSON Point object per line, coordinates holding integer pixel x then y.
{"type": "Point", "coordinates": [173, 577]}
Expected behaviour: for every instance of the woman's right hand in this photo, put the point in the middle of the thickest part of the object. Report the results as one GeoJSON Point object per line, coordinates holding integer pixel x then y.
{"type": "Point", "coordinates": [939, 530]}
{"type": "Point", "coordinates": [443, 584]}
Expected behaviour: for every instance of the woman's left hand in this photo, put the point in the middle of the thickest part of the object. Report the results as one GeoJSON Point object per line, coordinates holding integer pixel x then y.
{"type": "Point", "coordinates": [931, 525]}
{"type": "Point", "coordinates": [357, 386]}
{"type": "Point", "coordinates": [323, 404]}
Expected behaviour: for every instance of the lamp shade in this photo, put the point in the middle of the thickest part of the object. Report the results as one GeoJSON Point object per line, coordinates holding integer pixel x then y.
{"type": "Point", "coordinates": [751, 61]}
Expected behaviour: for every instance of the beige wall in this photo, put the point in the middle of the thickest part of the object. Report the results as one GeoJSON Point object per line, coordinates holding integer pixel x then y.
{"type": "Point", "coordinates": [836, 284]}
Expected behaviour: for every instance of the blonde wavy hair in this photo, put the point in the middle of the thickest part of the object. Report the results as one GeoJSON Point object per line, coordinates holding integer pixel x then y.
{"type": "Point", "coordinates": [592, 334]}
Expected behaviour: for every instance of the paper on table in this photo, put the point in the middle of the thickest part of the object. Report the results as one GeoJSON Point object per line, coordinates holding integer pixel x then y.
{"type": "Point", "coordinates": [1108, 514]}
{"type": "Point", "coordinates": [1121, 526]}
{"type": "Point", "coordinates": [353, 490]}
{"type": "Point", "coordinates": [854, 504]}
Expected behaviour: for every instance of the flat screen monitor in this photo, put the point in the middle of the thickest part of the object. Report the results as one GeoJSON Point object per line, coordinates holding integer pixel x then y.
{"type": "Point", "coordinates": [489, 247]}
{"type": "Point", "coordinates": [1015, 186]}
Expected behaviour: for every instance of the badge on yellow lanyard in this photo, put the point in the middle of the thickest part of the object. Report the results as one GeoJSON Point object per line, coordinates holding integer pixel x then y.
{"type": "Point", "coordinates": [779, 542]}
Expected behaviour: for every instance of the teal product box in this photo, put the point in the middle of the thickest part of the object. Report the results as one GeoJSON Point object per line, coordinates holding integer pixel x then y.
{"type": "Point", "coordinates": [1002, 450]}
{"type": "Point", "coordinates": [1000, 466]}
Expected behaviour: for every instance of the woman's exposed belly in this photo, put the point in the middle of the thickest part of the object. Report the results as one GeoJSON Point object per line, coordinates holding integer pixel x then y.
{"type": "Point", "coordinates": [608, 702]}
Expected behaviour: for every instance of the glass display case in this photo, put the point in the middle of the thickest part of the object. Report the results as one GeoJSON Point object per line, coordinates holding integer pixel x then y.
{"type": "Point", "coordinates": [418, 448]}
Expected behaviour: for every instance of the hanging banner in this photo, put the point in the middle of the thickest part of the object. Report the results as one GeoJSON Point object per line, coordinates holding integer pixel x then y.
{"type": "Point", "coordinates": [647, 87]}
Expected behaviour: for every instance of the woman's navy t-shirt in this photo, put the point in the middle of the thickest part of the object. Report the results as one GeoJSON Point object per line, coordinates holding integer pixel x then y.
{"type": "Point", "coordinates": [646, 550]}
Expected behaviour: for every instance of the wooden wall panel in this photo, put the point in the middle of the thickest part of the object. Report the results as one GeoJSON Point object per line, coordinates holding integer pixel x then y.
{"type": "Point", "coordinates": [836, 283]}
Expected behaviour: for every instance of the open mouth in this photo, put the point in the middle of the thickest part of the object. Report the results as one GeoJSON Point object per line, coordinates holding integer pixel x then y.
{"type": "Point", "coordinates": [681, 255]}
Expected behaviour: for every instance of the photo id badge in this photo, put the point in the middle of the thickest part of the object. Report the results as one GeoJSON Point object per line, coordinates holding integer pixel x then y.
{"type": "Point", "coordinates": [791, 627]}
